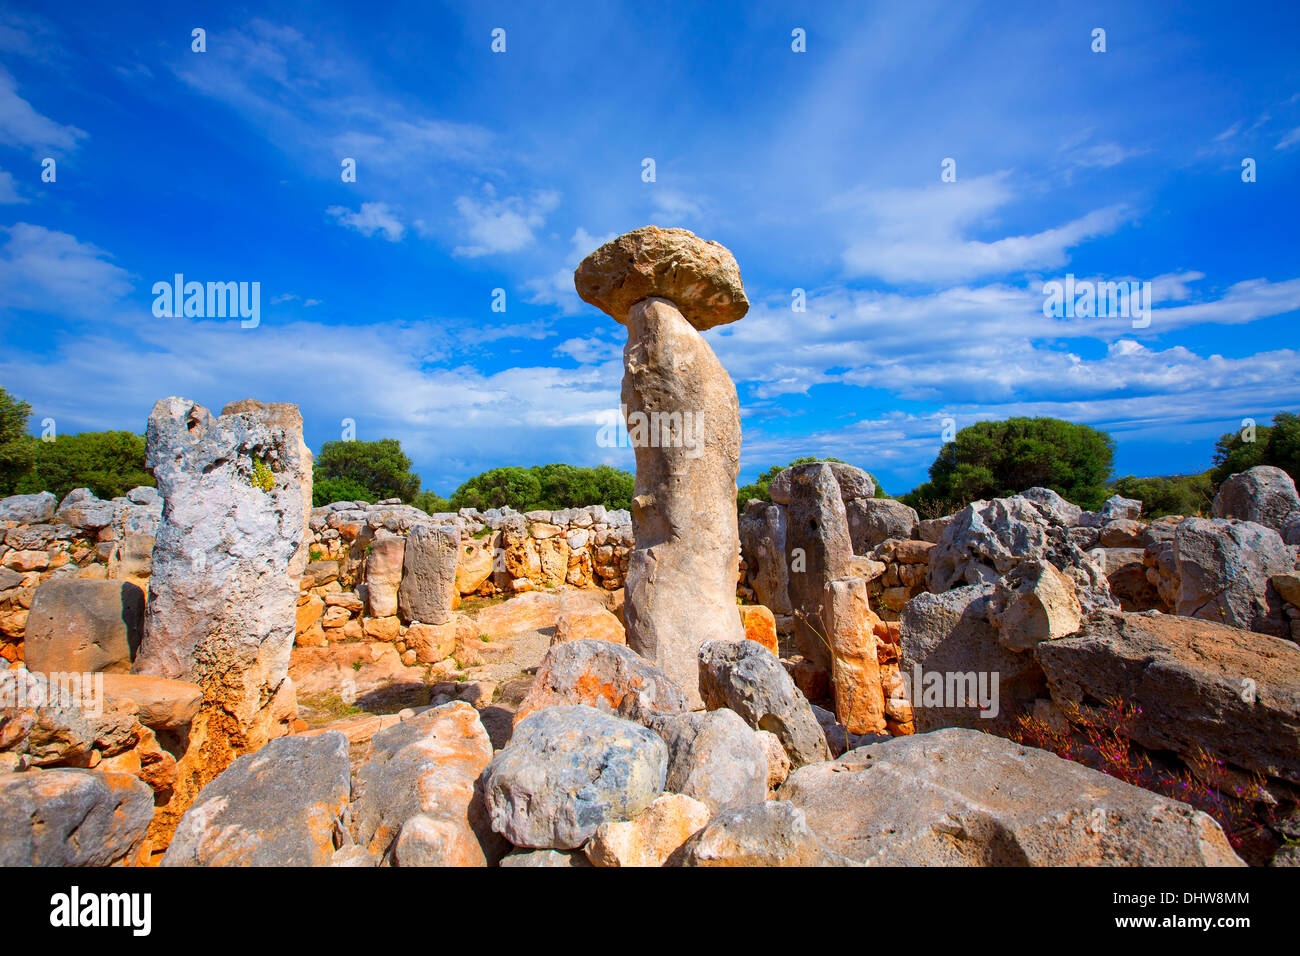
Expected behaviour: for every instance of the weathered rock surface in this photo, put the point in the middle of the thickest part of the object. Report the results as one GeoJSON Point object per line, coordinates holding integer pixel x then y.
{"type": "Point", "coordinates": [417, 799]}
{"type": "Point", "coordinates": [84, 626]}
{"type": "Point", "coordinates": [276, 807]}
{"type": "Point", "coordinates": [229, 553]}
{"type": "Point", "coordinates": [714, 757]}
{"type": "Point", "coordinates": [1223, 566]}
{"type": "Point", "coordinates": [28, 509]}
{"type": "Point", "coordinates": [701, 278]}
{"type": "Point", "coordinates": [746, 678]}
{"type": "Point", "coordinates": [384, 566]}
{"type": "Point", "coordinates": [1264, 494]}
{"type": "Point", "coordinates": [72, 817]}
{"type": "Point", "coordinates": [651, 838]}
{"type": "Point", "coordinates": [567, 770]}
{"type": "Point", "coordinates": [161, 703]}
{"type": "Point", "coordinates": [855, 668]}
{"type": "Point", "coordinates": [1034, 602]}
{"type": "Point", "coordinates": [762, 545]}
{"type": "Point", "coordinates": [852, 482]}
{"type": "Point", "coordinates": [960, 798]}
{"type": "Point", "coordinates": [603, 675]}
{"type": "Point", "coordinates": [873, 520]}
{"type": "Point", "coordinates": [428, 589]}
{"type": "Point", "coordinates": [773, 833]}
{"type": "Point", "coordinates": [818, 551]}
{"type": "Point", "coordinates": [544, 859]}
{"type": "Point", "coordinates": [1193, 685]}
{"type": "Point", "coordinates": [949, 636]}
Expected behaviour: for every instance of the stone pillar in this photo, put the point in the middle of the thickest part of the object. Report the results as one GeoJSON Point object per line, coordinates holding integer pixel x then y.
{"type": "Point", "coordinates": [818, 550]}
{"type": "Point", "coordinates": [683, 418]}
{"type": "Point", "coordinates": [227, 560]}
{"type": "Point", "coordinates": [855, 669]}
{"type": "Point", "coordinates": [428, 590]}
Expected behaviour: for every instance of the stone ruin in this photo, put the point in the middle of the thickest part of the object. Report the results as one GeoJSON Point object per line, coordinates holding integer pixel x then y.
{"type": "Point", "coordinates": [659, 722]}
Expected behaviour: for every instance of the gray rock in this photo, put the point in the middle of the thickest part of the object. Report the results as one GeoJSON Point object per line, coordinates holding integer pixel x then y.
{"type": "Point", "coordinates": [762, 545]}
{"type": "Point", "coordinates": [81, 509]}
{"type": "Point", "coordinates": [1223, 566]}
{"type": "Point", "coordinates": [428, 586]}
{"type": "Point", "coordinates": [1118, 507]}
{"type": "Point", "coordinates": [276, 807]}
{"type": "Point", "coordinates": [745, 677]}
{"type": "Point", "coordinates": [567, 770]}
{"type": "Point", "coordinates": [1264, 494]}
{"type": "Point", "coordinates": [544, 859]}
{"type": "Point", "coordinates": [604, 675]}
{"type": "Point", "coordinates": [228, 556]}
{"type": "Point", "coordinates": [949, 641]}
{"type": "Point", "coordinates": [818, 550]}
{"type": "Point", "coordinates": [417, 799]}
{"type": "Point", "coordinates": [956, 797]}
{"type": "Point", "coordinates": [84, 626]}
{"type": "Point", "coordinates": [772, 833]}
{"type": "Point", "coordinates": [28, 509]}
{"type": "Point", "coordinates": [353, 856]}
{"type": "Point", "coordinates": [852, 482]}
{"type": "Point", "coordinates": [72, 817]}
{"type": "Point", "coordinates": [1053, 506]}
{"type": "Point", "coordinates": [1192, 686]}
{"type": "Point", "coordinates": [873, 520]}
{"type": "Point", "coordinates": [713, 757]}
{"type": "Point", "coordinates": [931, 529]}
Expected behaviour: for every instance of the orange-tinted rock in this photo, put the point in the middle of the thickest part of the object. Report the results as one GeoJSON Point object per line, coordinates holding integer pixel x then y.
{"type": "Point", "coordinates": [760, 625]}
{"type": "Point", "coordinates": [855, 671]}
{"type": "Point", "coordinates": [588, 622]}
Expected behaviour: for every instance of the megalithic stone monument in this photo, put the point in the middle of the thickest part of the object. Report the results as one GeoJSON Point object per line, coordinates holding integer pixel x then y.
{"type": "Point", "coordinates": [683, 418]}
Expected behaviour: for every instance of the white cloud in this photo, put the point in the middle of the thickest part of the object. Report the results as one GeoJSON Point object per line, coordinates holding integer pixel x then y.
{"type": "Point", "coordinates": [8, 191]}
{"type": "Point", "coordinates": [372, 217]}
{"type": "Point", "coordinates": [51, 271]}
{"type": "Point", "coordinates": [1289, 140]}
{"type": "Point", "coordinates": [502, 225]}
{"type": "Point", "coordinates": [918, 235]}
{"type": "Point", "coordinates": [22, 125]}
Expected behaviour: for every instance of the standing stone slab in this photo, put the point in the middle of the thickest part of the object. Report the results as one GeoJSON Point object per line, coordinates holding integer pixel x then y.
{"type": "Point", "coordinates": [818, 551]}
{"type": "Point", "coordinates": [762, 545]}
{"type": "Point", "coordinates": [683, 419]}
{"type": "Point", "coordinates": [228, 556]}
{"type": "Point", "coordinates": [428, 587]}
{"type": "Point", "coordinates": [82, 626]}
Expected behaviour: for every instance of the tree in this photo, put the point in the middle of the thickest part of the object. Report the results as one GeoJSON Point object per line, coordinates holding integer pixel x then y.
{"type": "Point", "coordinates": [108, 463]}
{"type": "Point", "coordinates": [363, 471]}
{"type": "Point", "coordinates": [17, 447]}
{"type": "Point", "coordinates": [999, 459]}
{"type": "Point", "coordinates": [1283, 445]}
{"type": "Point", "coordinates": [431, 503]}
{"type": "Point", "coordinates": [547, 487]}
{"type": "Point", "coordinates": [1277, 444]}
{"type": "Point", "coordinates": [1169, 495]}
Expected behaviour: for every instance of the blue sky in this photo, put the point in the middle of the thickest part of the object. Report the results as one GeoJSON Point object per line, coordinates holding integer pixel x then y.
{"type": "Point", "coordinates": [820, 170]}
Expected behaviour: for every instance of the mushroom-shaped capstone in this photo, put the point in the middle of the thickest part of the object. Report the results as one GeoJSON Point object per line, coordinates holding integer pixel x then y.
{"type": "Point", "coordinates": [700, 277]}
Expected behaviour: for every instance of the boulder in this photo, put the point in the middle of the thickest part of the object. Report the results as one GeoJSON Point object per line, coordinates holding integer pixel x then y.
{"type": "Point", "coordinates": [1118, 507]}
{"type": "Point", "coordinates": [957, 797]}
{"type": "Point", "coordinates": [852, 482]}
{"type": "Point", "coordinates": [651, 838]}
{"type": "Point", "coordinates": [760, 626]}
{"type": "Point", "coordinates": [714, 757]}
{"type": "Point", "coordinates": [748, 679]}
{"type": "Point", "coordinates": [855, 669]}
{"type": "Point", "coordinates": [1053, 506]}
{"type": "Point", "coordinates": [607, 676]}
{"type": "Point", "coordinates": [384, 566]}
{"type": "Point", "coordinates": [773, 833]}
{"type": "Point", "coordinates": [1034, 602]}
{"type": "Point", "coordinates": [276, 807]}
{"type": "Point", "coordinates": [83, 626]}
{"type": "Point", "coordinates": [567, 770]}
{"type": "Point", "coordinates": [1223, 566]}
{"type": "Point", "coordinates": [873, 520]}
{"type": "Point", "coordinates": [417, 799]}
{"type": "Point", "coordinates": [1192, 686]}
{"type": "Point", "coordinates": [1264, 494]}
{"type": "Point", "coordinates": [544, 859]}
{"type": "Point", "coordinates": [762, 545]}
{"type": "Point", "coordinates": [958, 673]}
{"type": "Point", "coordinates": [72, 817]}
{"type": "Point", "coordinates": [28, 509]}
{"type": "Point", "coordinates": [588, 622]}
{"type": "Point", "coordinates": [428, 589]}
{"type": "Point", "coordinates": [161, 704]}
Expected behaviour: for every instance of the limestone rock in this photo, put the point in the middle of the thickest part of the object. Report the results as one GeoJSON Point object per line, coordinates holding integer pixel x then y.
{"type": "Point", "coordinates": [778, 761]}
{"type": "Point", "coordinates": [417, 799]}
{"type": "Point", "coordinates": [162, 704]}
{"type": "Point", "coordinates": [384, 566]}
{"type": "Point", "coordinates": [762, 545]}
{"type": "Point", "coordinates": [651, 838]}
{"type": "Point", "coordinates": [607, 676]}
{"type": "Point", "coordinates": [818, 551]}
{"type": "Point", "coordinates": [588, 622]}
{"type": "Point", "coordinates": [276, 807]}
{"type": "Point", "coordinates": [714, 757]}
{"type": "Point", "coordinates": [66, 817]}
{"type": "Point", "coordinates": [957, 797]}
{"type": "Point", "coordinates": [1223, 566]}
{"type": "Point", "coordinates": [855, 670]}
{"type": "Point", "coordinates": [1034, 602]}
{"type": "Point", "coordinates": [746, 678]}
{"type": "Point", "coordinates": [567, 770]}
{"type": "Point", "coordinates": [852, 482]}
{"type": "Point", "coordinates": [773, 833]}
{"type": "Point", "coordinates": [760, 626]}
{"type": "Point", "coordinates": [1194, 686]}
{"type": "Point", "coordinates": [428, 589]}
{"type": "Point", "coordinates": [79, 626]}
{"type": "Point", "coordinates": [1264, 494]}
{"type": "Point", "coordinates": [701, 278]}
{"type": "Point", "coordinates": [873, 520]}
{"type": "Point", "coordinates": [544, 859]}
{"type": "Point", "coordinates": [28, 509]}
